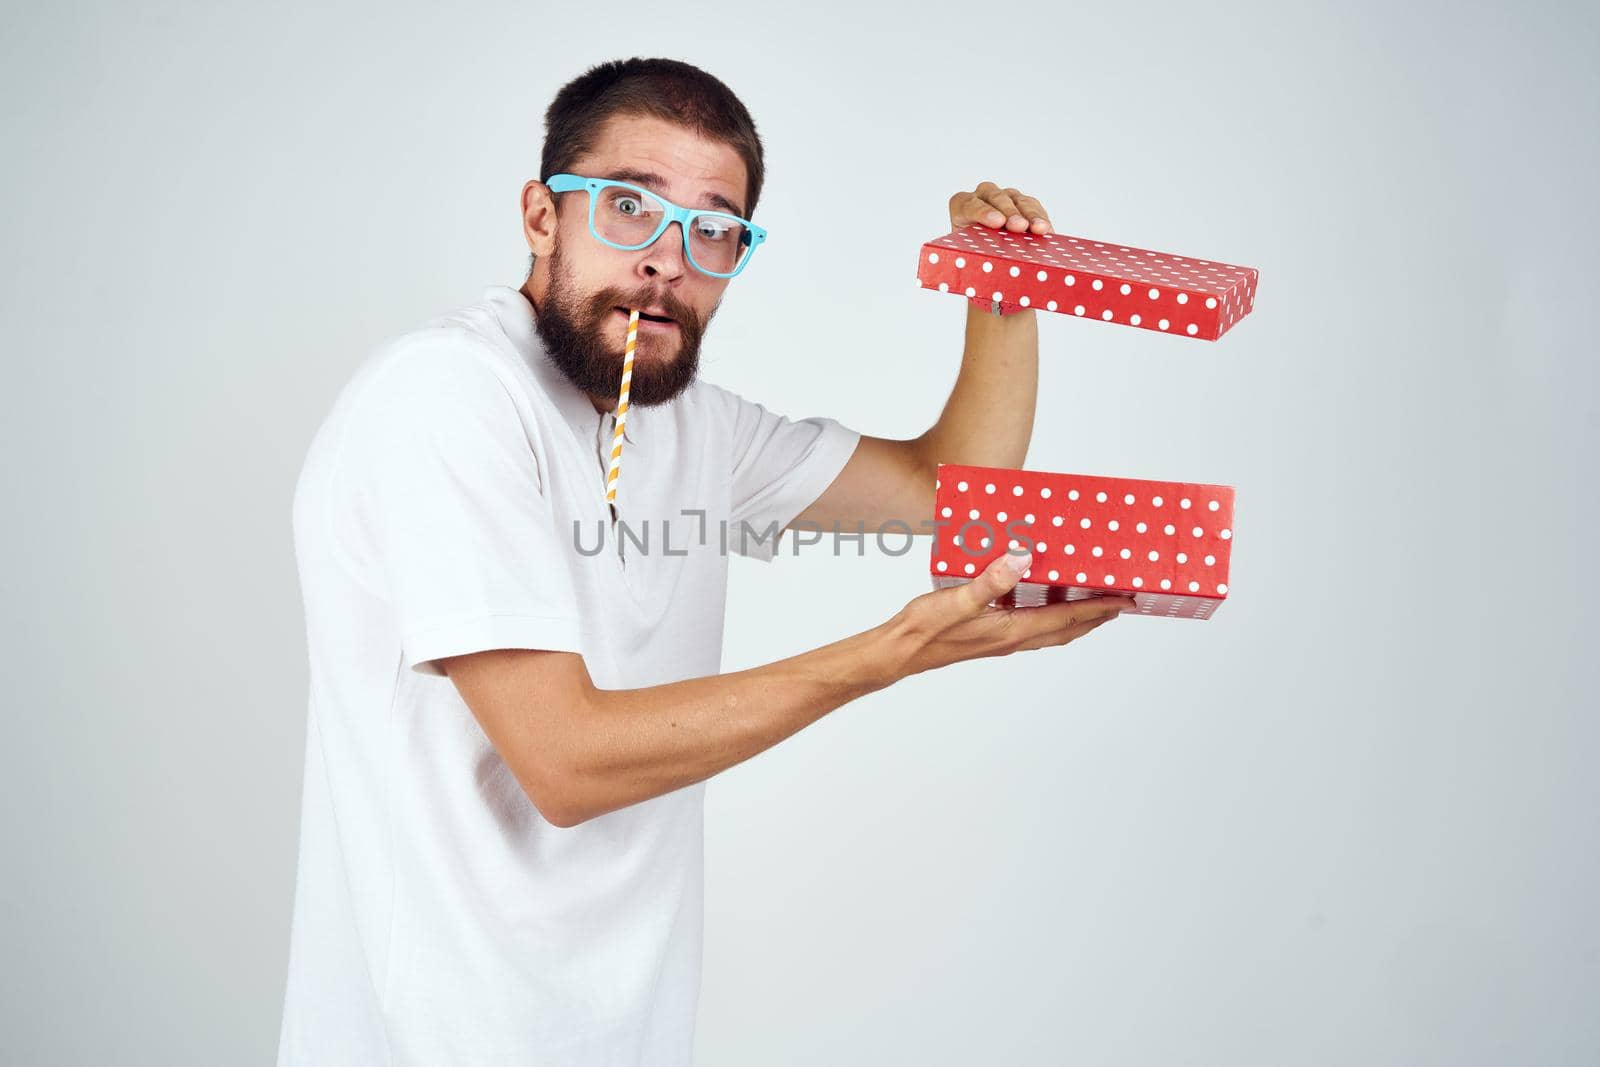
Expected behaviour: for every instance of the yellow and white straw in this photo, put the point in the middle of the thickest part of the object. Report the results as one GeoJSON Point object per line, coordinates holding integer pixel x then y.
{"type": "Point", "coordinates": [622, 407]}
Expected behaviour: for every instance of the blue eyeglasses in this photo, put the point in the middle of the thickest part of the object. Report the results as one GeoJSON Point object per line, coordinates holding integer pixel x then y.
{"type": "Point", "coordinates": [628, 217]}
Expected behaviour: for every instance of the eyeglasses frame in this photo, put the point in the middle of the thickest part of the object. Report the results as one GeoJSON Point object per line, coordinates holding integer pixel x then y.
{"type": "Point", "coordinates": [567, 183]}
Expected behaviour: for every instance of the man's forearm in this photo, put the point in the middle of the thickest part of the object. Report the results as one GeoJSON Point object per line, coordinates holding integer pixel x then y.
{"type": "Point", "coordinates": [988, 420]}
{"type": "Point", "coordinates": [634, 744]}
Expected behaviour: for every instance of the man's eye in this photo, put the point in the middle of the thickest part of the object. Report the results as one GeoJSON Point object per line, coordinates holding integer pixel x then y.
{"type": "Point", "coordinates": [713, 231]}
{"type": "Point", "coordinates": [623, 205]}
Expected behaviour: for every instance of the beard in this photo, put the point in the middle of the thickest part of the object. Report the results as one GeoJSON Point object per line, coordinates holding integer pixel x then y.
{"type": "Point", "coordinates": [573, 328]}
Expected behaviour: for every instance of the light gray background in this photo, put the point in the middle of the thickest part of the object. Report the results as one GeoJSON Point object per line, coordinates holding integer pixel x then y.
{"type": "Point", "coordinates": [1352, 820]}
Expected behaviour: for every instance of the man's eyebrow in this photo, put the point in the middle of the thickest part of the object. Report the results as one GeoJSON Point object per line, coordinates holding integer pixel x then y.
{"type": "Point", "coordinates": [654, 183]}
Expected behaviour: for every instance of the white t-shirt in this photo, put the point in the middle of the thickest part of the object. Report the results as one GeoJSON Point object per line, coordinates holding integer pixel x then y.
{"type": "Point", "coordinates": [438, 918]}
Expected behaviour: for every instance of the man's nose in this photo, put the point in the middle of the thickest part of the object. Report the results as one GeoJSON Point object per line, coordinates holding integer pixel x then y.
{"type": "Point", "coordinates": [665, 258]}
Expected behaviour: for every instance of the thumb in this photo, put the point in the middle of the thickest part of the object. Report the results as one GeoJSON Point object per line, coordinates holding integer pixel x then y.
{"type": "Point", "coordinates": [998, 578]}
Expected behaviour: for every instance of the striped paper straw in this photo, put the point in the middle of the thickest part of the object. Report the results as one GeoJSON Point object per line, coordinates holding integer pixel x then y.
{"type": "Point", "coordinates": [622, 406]}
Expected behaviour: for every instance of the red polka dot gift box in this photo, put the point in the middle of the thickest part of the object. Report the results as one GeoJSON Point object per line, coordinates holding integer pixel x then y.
{"type": "Point", "coordinates": [1166, 543]}
{"type": "Point", "coordinates": [1095, 280]}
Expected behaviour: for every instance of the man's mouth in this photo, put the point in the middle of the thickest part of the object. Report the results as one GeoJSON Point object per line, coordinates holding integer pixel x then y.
{"type": "Point", "coordinates": [645, 316]}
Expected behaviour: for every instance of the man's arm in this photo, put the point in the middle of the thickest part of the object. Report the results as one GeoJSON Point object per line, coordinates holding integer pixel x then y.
{"type": "Point", "coordinates": [986, 422]}
{"type": "Point", "coordinates": [579, 751]}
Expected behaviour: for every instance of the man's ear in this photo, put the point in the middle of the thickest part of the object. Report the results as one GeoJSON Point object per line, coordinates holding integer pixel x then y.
{"type": "Point", "coordinates": [539, 217]}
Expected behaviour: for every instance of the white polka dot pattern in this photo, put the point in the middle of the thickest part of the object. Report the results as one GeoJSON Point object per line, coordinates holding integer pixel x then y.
{"type": "Point", "coordinates": [1158, 291]}
{"type": "Point", "coordinates": [1122, 527]}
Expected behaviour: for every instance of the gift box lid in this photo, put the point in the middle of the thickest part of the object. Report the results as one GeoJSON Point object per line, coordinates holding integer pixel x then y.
{"type": "Point", "coordinates": [1099, 280]}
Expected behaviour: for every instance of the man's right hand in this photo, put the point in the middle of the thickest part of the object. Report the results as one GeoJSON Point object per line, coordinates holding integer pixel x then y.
{"type": "Point", "coordinates": [960, 623]}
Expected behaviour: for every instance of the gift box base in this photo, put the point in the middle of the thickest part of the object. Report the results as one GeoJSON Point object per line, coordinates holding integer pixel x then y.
{"type": "Point", "coordinates": [1037, 594]}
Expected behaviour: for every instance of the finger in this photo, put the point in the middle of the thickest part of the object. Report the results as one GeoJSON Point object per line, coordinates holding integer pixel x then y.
{"type": "Point", "coordinates": [1033, 211]}
{"type": "Point", "coordinates": [1073, 630]}
{"type": "Point", "coordinates": [1036, 622]}
{"type": "Point", "coordinates": [998, 578]}
{"type": "Point", "coordinates": [1016, 219]}
{"type": "Point", "coordinates": [1064, 637]}
{"type": "Point", "coordinates": [967, 208]}
{"type": "Point", "coordinates": [1005, 202]}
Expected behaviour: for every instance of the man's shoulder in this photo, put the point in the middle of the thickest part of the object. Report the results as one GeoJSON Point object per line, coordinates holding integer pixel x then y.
{"type": "Point", "coordinates": [441, 376]}
{"type": "Point", "coordinates": [431, 364]}
{"type": "Point", "coordinates": [702, 397]}
{"type": "Point", "coordinates": [450, 361]}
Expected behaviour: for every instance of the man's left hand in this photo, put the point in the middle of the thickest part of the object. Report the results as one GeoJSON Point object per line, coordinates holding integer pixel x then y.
{"type": "Point", "coordinates": [999, 208]}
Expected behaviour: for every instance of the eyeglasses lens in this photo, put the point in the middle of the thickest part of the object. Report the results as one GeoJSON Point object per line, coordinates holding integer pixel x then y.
{"type": "Point", "coordinates": [629, 217]}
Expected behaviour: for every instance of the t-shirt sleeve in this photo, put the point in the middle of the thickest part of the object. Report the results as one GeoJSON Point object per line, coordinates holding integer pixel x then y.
{"type": "Point", "coordinates": [442, 487]}
{"type": "Point", "coordinates": [780, 466]}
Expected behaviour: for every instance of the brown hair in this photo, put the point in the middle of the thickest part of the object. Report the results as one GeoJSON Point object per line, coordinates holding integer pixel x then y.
{"type": "Point", "coordinates": [662, 88]}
